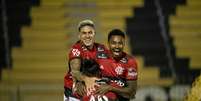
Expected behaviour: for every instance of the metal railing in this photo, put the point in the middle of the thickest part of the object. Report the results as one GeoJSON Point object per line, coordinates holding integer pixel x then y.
{"type": "Point", "coordinates": [5, 33]}
{"type": "Point", "coordinates": [165, 37]}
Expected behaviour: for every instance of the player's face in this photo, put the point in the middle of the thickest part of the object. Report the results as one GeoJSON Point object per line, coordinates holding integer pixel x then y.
{"type": "Point", "coordinates": [116, 45]}
{"type": "Point", "coordinates": [86, 35]}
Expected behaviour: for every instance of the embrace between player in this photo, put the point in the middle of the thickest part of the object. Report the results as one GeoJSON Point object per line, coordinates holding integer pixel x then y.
{"type": "Point", "coordinates": [114, 79]}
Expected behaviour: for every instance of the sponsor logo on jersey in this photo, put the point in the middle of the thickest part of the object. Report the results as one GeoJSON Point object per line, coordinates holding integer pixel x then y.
{"type": "Point", "coordinates": [76, 52]}
{"type": "Point", "coordinates": [132, 72]}
{"type": "Point", "coordinates": [100, 49]}
{"type": "Point", "coordinates": [101, 55]}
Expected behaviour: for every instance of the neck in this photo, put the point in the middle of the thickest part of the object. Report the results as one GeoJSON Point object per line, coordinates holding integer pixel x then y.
{"type": "Point", "coordinates": [90, 47]}
{"type": "Point", "coordinates": [118, 58]}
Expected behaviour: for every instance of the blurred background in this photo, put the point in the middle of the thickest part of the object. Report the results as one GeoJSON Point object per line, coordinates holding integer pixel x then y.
{"type": "Point", "coordinates": [163, 35]}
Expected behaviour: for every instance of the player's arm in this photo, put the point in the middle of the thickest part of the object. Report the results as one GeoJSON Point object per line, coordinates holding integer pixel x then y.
{"type": "Point", "coordinates": [127, 92]}
{"type": "Point", "coordinates": [75, 65]}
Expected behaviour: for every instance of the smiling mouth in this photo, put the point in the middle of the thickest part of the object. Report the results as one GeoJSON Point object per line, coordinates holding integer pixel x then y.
{"type": "Point", "coordinates": [87, 40]}
{"type": "Point", "coordinates": [116, 50]}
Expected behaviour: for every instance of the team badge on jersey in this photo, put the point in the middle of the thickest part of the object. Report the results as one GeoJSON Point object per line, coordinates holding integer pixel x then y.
{"type": "Point", "coordinates": [76, 52]}
{"type": "Point", "coordinates": [119, 70]}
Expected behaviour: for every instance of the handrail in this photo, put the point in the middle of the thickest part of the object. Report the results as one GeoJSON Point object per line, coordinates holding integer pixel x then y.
{"type": "Point", "coordinates": [165, 37]}
{"type": "Point", "coordinates": [5, 34]}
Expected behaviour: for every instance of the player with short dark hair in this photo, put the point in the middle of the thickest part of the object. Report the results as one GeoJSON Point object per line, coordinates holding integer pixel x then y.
{"type": "Point", "coordinates": [92, 79]}
{"type": "Point", "coordinates": [123, 67]}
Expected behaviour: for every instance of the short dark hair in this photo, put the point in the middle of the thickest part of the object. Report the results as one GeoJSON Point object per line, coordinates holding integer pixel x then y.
{"type": "Point", "coordinates": [90, 67]}
{"type": "Point", "coordinates": [115, 32]}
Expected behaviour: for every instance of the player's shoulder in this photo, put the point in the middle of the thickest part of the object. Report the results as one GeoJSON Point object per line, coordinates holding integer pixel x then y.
{"type": "Point", "coordinates": [76, 45]}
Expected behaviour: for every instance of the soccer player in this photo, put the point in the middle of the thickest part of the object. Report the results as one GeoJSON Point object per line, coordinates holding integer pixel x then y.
{"type": "Point", "coordinates": [85, 48]}
{"type": "Point", "coordinates": [91, 73]}
{"type": "Point", "coordinates": [124, 68]}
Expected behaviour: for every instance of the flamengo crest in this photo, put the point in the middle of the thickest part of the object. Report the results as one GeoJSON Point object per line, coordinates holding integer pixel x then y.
{"type": "Point", "coordinates": [76, 52]}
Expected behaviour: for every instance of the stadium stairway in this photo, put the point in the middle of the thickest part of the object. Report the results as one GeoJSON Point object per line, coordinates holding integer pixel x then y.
{"type": "Point", "coordinates": [147, 43]}
{"type": "Point", "coordinates": [112, 14]}
{"type": "Point", "coordinates": [107, 15]}
{"type": "Point", "coordinates": [39, 65]}
{"type": "Point", "coordinates": [185, 26]}
{"type": "Point", "coordinates": [186, 30]}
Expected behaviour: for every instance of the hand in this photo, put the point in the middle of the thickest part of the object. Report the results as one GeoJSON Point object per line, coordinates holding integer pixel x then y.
{"type": "Point", "coordinates": [102, 89]}
{"type": "Point", "coordinates": [77, 76]}
{"type": "Point", "coordinates": [80, 88]}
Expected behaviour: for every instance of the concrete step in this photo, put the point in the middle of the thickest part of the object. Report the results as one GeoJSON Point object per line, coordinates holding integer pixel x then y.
{"type": "Point", "coordinates": [43, 47]}
{"type": "Point", "coordinates": [185, 30]}
{"type": "Point", "coordinates": [40, 31]}
{"type": "Point", "coordinates": [188, 13]}
{"type": "Point", "coordinates": [53, 67]}
{"type": "Point", "coordinates": [148, 73]}
{"type": "Point", "coordinates": [185, 44]}
{"type": "Point", "coordinates": [7, 92]}
{"type": "Point", "coordinates": [28, 92]}
{"type": "Point", "coordinates": [49, 40]}
{"type": "Point", "coordinates": [46, 8]}
{"type": "Point", "coordinates": [53, 2]}
{"type": "Point", "coordinates": [186, 35]}
{"type": "Point", "coordinates": [193, 2]}
{"type": "Point", "coordinates": [34, 38]}
{"type": "Point", "coordinates": [50, 28]}
{"type": "Point", "coordinates": [189, 7]}
{"type": "Point", "coordinates": [155, 82]}
{"type": "Point", "coordinates": [179, 20]}
{"type": "Point", "coordinates": [56, 10]}
{"type": "Point", "coordinates": [50, 24]}
{"type": "Point", "coordinates": [35, 55]}
{"type": "Point", "coordinates": [191, 39]}
{"type": "Point", "coordinates": [120, 2]}
{"type": "Point", "coordinates": [79, 9]}
{"type": "Point", "coordinates": [43, 44]}
{"type": "Point", "coordinates": [57, 14]}
{"type": "Point", "coordinates": [37, 60]}
{"type": "Point", "coordinates": [22, 77]}
{"type": "Point", "coordinates": [114, 12]}
{"type": "Point", "coordinates": [41, 67]}
{"type": "Point", "coordinates": [50, 66]}
{"type": "Point", "coordinates": [195, 62]}
{"type": "Point", "coordinates": [188, 52]}
{"type": "Point", "coordinates": [45, 92]}
{"type": "Point", "coordinates": [186, 26]}
{"type": "Point", "coordinates": [61, 21]}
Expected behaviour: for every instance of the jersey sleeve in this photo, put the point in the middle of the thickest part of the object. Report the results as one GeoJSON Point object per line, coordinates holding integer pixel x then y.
{"type": "Point", "coordinates": [74, 53]}
{"type": "Point", "coordinates": [132, 73]}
